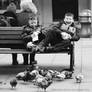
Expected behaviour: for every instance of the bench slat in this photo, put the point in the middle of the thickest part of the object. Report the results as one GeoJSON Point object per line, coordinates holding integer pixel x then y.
{"type": "Point", "coordinates": [20, 51]}
{"type": "Point", "coordinates": [9, 36]}
{"type": "Point", "coordinates": [4, 32]}
{"type": "Point", "coordinates": [11, 28]}
{"type": "Point", "coordinates": [11, 41]}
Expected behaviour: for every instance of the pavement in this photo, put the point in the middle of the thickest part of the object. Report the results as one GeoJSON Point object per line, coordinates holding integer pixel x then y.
{"type": "Point", "coordinates": [83, 65]}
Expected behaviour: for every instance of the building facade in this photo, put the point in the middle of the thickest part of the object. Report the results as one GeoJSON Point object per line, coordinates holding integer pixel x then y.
{"type": "Point", "coordinates": [52, 10]}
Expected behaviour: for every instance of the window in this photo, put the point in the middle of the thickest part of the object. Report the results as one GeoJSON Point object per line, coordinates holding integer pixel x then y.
{"type": "Point", "coordinates": [5, 3]}
{"type": "Point", "coordinates": [60, 7]}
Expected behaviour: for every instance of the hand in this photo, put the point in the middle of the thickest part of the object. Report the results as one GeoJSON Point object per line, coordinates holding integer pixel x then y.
{"type": "Point", "coordinates": [35, 36]}
{"type": "Point", "coordinates": [64, 27]}
{"type": "Point", "coordinates": [38, 30]}
{"type": "Point", "coordinates": [72, 29]}
{"type": "Point", "coordinates": [65, 35]}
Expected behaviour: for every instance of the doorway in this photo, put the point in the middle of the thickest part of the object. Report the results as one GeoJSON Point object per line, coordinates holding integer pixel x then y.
{"type": "Point", "coordinates": [60, 7]}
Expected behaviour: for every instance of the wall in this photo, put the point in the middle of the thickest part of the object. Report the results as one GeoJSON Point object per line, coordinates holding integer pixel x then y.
{"type": "Point", "coordinates": [84, 4]}
{"type": "Point", "coordinates": [45, 9]}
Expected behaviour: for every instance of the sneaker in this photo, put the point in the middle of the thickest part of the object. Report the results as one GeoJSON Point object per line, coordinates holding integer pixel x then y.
{"type": "Point", "coordinates": [33, 62]}
{"type": "Point", "coordinates": [49, 49]}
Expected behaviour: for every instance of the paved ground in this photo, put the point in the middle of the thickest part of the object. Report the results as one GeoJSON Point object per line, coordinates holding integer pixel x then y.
{"type": "Point", "coordinates": [83, 63]}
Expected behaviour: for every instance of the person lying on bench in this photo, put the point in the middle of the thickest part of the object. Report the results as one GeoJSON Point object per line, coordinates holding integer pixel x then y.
{"type": "Point", "coordinates": [60, 35]}
{"type": "Point", "coordinates": [32, 36]}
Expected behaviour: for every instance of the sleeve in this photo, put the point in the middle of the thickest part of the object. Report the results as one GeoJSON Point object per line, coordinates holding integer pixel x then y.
{"type": "Point", "coordinates": [59, 29]}
{"type": "Point", "coordinates": [25, 36]}
{"type": "Point", "coordinates": [76, 36]}
{"type": "Point", "coordinates": [24, 33]}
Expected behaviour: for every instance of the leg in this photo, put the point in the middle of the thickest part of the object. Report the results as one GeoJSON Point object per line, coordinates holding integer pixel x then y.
{"type": "Point", "coordinates": [60, 46]}
{"type": "Point", "coordinates": [14, 59]}
{"type": "Point", "coordinates": [32, 59]}
{"type": "Point", "coordinates": [25, 58]}
{"type": "Point", "coordinates": [52, 37]}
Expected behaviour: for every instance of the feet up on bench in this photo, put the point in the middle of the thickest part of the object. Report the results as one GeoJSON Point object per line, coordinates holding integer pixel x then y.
{"type": "Point", "coordinates": [33, 62]}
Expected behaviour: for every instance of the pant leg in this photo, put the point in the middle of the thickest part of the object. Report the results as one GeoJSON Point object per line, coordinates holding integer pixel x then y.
{"type": "Point", "coordinates": [32, 59]}
{"type": "Point", "coordinates": [14, 59]}
{"type": "Point", "coordinates": [52, 36]}
{"type": "Point", "coordinates": [25, 59]}
{"type": "Point", "coordinates": [63, 44]}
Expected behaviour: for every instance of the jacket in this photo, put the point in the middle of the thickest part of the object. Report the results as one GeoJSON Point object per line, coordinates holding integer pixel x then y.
{"type": "Point", "coordinates": [28, 31]}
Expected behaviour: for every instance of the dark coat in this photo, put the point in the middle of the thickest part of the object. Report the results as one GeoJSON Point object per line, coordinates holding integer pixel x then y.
{"type": "Point", "coordinates": [28, 31]}
{"type": "Point", "coordinates": [14, 20]}
{"type": "Point", "coordinates": [56, 27]}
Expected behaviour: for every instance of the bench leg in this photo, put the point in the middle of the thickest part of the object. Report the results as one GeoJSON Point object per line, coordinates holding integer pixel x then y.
{"type": "Point", "coordinates": [72, 59]}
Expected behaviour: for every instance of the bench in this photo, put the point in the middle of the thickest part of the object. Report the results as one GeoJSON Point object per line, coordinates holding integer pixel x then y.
{"type": "Point", "coordinates": [11, 42]}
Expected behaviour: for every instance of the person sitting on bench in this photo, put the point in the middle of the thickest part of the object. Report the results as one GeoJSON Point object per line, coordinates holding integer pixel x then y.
{"type": "Point", "coordinates": [11, 18]}
{"type": "Point", "coordinates": [32, 35]}
{"type": "Point", "coordinates": [60, 35]}
{"type": "Point", "coordinates": [28, 6]}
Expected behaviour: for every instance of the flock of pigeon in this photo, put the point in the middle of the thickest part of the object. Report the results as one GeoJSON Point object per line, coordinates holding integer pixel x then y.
{"type": "Point", "coordinates": [43, 78]}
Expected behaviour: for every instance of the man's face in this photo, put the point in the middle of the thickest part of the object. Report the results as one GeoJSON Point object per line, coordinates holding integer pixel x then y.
{"type": "Point", "coordinates": [68, 19]}
{"type": "Point", "coordinates": [33, 21]}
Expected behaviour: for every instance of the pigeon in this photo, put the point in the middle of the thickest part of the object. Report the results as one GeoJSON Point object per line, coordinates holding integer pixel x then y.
{"type": "Point", "coordinates": [20, 75]}
{"type": "Point", "coordinates": [56, 73]}
{"type": "Point", "coordinates": [60, 76]}
{"type": "Point", "coordinates": [68, 74]}
{"type": "Point", "coordinates": [29, 76]}
{"type": "Point", "coordinates": [43, 83]}
{"type": "Point", "coordinates": [13, 83]}
{"type": "Point", "coordinates": [26, 75]}
{"type": "Point", "coordinates": [43, 72]}
{"type": "Point", "coordinates": [79, 78]}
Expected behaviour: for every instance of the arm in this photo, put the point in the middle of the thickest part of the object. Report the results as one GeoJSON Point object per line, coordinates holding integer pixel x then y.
{"type": "Point", "coordinates": [76, 36]}
{"type": "Point", "coordinates": [25, 34]}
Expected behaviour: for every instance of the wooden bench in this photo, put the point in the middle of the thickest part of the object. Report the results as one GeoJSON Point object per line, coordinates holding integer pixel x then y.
{"type": "Point", "coordinates": [11, 42]}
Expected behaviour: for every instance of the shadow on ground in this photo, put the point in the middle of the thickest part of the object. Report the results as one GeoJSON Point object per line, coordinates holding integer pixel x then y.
{"type": "Point", "coordinates": [13, 69]}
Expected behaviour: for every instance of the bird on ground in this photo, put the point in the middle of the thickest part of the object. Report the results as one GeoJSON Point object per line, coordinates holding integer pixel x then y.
{"type": "Point", "coordinates": [27, 75]}
{"type": "Point", "coordinates": [43, 83]}
{"type": "Point", "coordinates": [13, 83]}
{"type": "Point", "coordinates": [79, 78]}
{"type": "Point", "coordinates": [20, 75]}
{"type": "Point", "coordinates": [60, 76]}
{"type": "Point", "coordinates": [68, 74]}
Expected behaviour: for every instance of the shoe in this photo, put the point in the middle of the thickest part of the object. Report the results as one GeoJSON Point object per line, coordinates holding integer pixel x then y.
{"type": "Point", "coordinates": [33, 62]}
{"type": "Point", "coordinates": [49, 49]}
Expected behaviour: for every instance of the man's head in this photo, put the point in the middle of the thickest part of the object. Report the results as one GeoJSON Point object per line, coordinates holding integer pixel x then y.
{"type": "Point", "coordinates": [11, 7]}
{"type": "Point", "coordinates": [69, 18]}
{"type": "Point", "coordinates": [33, 21]}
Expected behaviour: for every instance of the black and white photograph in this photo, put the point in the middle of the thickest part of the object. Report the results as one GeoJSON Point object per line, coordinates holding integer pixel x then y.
{"type": "Point", "coordinates": [45, 45]}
